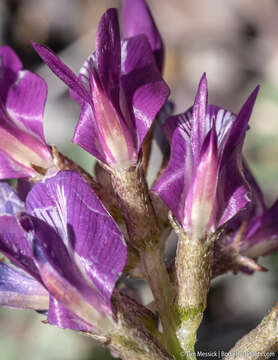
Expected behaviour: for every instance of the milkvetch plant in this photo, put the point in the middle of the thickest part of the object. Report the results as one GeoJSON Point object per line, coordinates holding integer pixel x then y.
{"type": "Point", "coordinates": [69, 239]}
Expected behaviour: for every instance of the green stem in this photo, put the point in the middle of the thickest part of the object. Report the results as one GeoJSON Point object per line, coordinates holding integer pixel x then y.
{"type": "Point", "coordinates": [134, 334]}
{"type": "Point", "coordinates": [163, 292]}
{"type": "Point", "coordinates": [260, 342]}
{"type": "Point", "coordinates": [144, 235]}
{"type": "Point", "coordinates": [193, 264]}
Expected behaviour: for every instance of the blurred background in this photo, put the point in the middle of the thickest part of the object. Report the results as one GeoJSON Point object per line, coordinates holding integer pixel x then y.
{"type": "Point", "coordinates": [236, 43]}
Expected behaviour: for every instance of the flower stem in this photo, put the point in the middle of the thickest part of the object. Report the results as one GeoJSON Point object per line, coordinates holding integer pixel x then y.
{"type": "Point", "coordinates": [260, 342]}
{"type": "Point", "coordinates": [158, 279]}
{"type": "Point", "coordinates": [194, 260]}
{"type": "Point", "coordinates": [144, 235]}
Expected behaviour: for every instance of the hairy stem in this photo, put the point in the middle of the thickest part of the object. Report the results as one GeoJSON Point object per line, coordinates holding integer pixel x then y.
{"type": "Point", "coordinates": [130, 343]}
{"type": "Point", "coordinates": [134, 335]}
{"type": "Point", "coordinates": [163, 292]}
{"type": "Point", "coordinates": [62, 162]}
{"type": "Point", "coordinates": [193, 265]}
{"type": "Point", "coordinates": [144, 235]}
{"type": "Point", "coordinates": [260, 342]}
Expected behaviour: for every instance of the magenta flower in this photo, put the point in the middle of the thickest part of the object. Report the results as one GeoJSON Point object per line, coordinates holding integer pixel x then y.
{"type": "Point", "coordinates": [22, 99]}
{"type": "Point", "coordinates": [137, 19]}
{"type": "Point", "coordinates": [20, 285]}
{"type": "Point", "coordinates": [260, 236]}
{"type": "Point", "coordinates": [204, 184]}
{"type": "Point", "coordinates": [120, 91]}
{"type": "Point", "coordinates": [71, 248]}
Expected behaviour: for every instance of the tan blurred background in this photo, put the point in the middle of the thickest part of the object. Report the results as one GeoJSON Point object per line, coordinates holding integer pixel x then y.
{"type": "Point", "coordinates": [236, 43]}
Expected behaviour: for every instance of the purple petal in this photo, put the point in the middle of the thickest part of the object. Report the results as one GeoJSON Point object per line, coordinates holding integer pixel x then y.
{"type": "Point", "coordinates": [223, 121]}
{"type": "Point", "coordinates": [144, 90]}
{"type": "Point", "coordinates": [86, 132]}
{"type": "Point", "coordinates": [200, 204]}
{"type": "Point", "coordinates": [62, 277]}
{"type": "Point", "coordinates": [256, 205]}
{"type": "Point", "coordinates": [215, 116]}
{"type": "Point", "coordinates": [254, 208]}
{"type": "Point", "coordinates": [10, 64]}
{"type": "Point", "coordinates": [114, 136]}
{"type": "Point", "coordinates": [84, 76]}
{"type": "Point", "coordinates": [159, 134]}
{"type": "Point", "coordinates": [199, 112]}
{"type": "Point", "coordinates": [67, 202]}
{"type": "Point", "coordinates": [21, 148]}
{"type": "Point", "coordinates": [60, 316]}
{"type": "Point", "coordinates": [10, 169]}
{"type": "Point", "coordinates": [182, 120]}
{"type": "Point", "coordinates": [9, 59]}
{"type": "Point", "coordinates": [232, 188]}
{"type": "Point", "coordinates": [16, 245]}
{"type": "Point", "coordinates": [240, 124]}
{"type": "Point", "coordinates": [108, 53]}
{"type": "Point", "coordinates": [137, 19]}
{"type": "Point", "coordinates": [62, 71]}
{"type": "Point", "coordinates": [262, 234]}
{"type": "Point", "coordinates": [19, 290]}
{"type": "Point", "coordinates": [25, 103]}
{"type": "Point", "coordinates": [175, 180]}
{"type": "Point", "coordinates": [233, 173]}
{"type": "Point", "coordinates": [10, 203]}
{"type": "Point", "coordinates": [23, 188]}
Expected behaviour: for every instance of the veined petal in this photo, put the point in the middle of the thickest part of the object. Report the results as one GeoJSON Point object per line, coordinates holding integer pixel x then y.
{"type": "Point", "coordinates": [199, 113]}
{"type": "Point", "coordinates": [175, 180]}
{"type": "Point", "coordinates": [233, 191]}
{"type": "Point", "coordinates": [19, 290]}
{"type": "Point", "coordinates": [144, 90]}
{"type": "Point", "coordinates": [84, 77]}
{"type": "Point", "coordinates": [137, 19]}
{"type": "Point", "coordinates": [16, 245]}
{"type": "Point", "coordinates": [9, 59]}
{"type": "Point", "coordinates": [200, 204]}
{"type": "Point", "coordinates": [240, 124]}
{"type": "Point", "coordinates": [25, 103]}
{"type": "Point", "coordinates": [86, 132]}
{"type": "Point", "coordinates": [159, 134]}
{"type": "Point", "coordinates": [221, 118]}
{"type": "Point", "coordinates": [62, 277]}
{"type": "Point", "coordinates": [262, 234]}
{"type": "Point", "coordinates": [10, 169]}
{"type": "Point", "coordinates": [113, 134]}
{"type": "Point", "coordinates": [108, 53]}
{"type": "Point", "coordinates": [256, 194]}
{"type": "Point", "coordinates": [182, 120]}
{"type": "Point", "coordinates": [234, 176]}
{"type": "Point", "coordinates": [10, 64]}
{"type": "Point", "coordinates": [223, 121]}
{"type": "Point", "coordinates": [10, 203]}
{"type": "Point", "coordinates": [23, 188]}
{"type": "Point", "coordinates": [62, 71]}
{"type": "Point", "coordinates": [21, 147]}
{"type": "Point", "coordinates": [67, 202]}
{"type": "Point", "coordinates": [60, 316]}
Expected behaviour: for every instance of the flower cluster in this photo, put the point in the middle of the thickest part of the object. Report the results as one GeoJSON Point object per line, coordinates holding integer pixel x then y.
{"type": "Point", "coordinates": [63, 250]}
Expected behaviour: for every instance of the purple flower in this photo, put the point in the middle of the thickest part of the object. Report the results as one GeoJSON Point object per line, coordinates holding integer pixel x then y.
{"type": "Point", "coordinates": [137, 19]}
{"type": "Point", "coordinates": [71, 246]}
{"type": "Point", "coordinates": [120, 91]}
{"type": "Point", "coordinates": [10, 203]}
{"type": "Point", "coordinates": [204, 184]}
{"type": "Point", "coordinates": [22, 99]}
{"type": "Point", "coordinates": [261, 235]}
{"type": "Point", "coordinates": [20, 284]}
